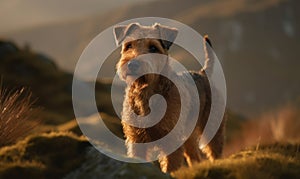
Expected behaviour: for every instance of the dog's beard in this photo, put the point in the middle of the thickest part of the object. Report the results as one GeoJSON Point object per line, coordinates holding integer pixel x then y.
{"type": "Point", "coordinates": [130, 79]}
{"type": "Point", "coordinates": [147, 79]}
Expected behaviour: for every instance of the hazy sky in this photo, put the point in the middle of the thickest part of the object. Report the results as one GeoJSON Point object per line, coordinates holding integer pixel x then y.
{"type": "Point", "coordinates": [20, 14]}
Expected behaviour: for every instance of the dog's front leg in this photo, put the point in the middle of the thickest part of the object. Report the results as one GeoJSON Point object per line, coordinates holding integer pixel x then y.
{"type": "Point", "coordinates": [135, 152]}
{"type": "Point", "coordinates": [172, 162]}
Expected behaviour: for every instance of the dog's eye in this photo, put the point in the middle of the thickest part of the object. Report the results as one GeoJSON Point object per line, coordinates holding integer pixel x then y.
{"type": "Point", "coordinates": [128, 46]}
{"type": "Point", "coordinates": [153, 49]}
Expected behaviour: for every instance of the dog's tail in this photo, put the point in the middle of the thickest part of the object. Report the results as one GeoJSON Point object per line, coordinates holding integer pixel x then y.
{"type": "Point", "coordinates": [209, 57]}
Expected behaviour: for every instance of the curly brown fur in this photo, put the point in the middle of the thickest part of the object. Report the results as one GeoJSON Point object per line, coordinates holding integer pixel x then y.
{"type": "Point", "coordinates": [140, 90]}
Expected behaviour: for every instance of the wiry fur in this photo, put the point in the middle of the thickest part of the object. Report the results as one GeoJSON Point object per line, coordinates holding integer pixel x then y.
{"type": "Point", "coordinates": [139, 92]}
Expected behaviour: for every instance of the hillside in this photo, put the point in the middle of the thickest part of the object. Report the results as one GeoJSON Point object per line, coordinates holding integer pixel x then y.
{"type": "Point", "coordinates": [37, 157]}
{"type": "Point", "coordinates": [56, 148]}
{"type": "Point", "coordinates": [51, 87]}
{"type": "Point", "coordinates": [269, 161]}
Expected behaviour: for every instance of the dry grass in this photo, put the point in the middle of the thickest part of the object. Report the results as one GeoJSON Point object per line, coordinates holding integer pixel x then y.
{"type": "Point", "coordinates": [17, 117]}
{"type": "Point", "coordinates": [280, 125]}
{"type": "Point", "coordinates": [286, 124]}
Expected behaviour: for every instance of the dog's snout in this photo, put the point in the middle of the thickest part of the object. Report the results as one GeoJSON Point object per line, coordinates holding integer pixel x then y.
{"type": "Point", "coordinates": [133, 65]}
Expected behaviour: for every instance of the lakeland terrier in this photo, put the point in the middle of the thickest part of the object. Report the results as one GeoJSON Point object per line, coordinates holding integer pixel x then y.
{"type": "Point", "coordinates": [157, 39]}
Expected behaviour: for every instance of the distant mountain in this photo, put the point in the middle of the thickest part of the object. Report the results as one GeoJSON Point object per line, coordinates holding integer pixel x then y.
{"type": "Point", "coordinates": [51, 88]}
{"type": "Point", "coordinates": [256, 41]}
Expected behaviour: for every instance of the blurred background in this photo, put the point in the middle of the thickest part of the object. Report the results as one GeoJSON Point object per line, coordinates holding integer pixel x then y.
{"type": "Point", "coordinates": [257, 43]}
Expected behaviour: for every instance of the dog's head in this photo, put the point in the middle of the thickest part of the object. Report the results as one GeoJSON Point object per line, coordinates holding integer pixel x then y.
{"type": "Point", "coordinates": [141, 46]}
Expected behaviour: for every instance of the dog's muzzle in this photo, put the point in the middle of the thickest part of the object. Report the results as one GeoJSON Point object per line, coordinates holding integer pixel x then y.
{"type": "Point", "coordinates": [133, 67]}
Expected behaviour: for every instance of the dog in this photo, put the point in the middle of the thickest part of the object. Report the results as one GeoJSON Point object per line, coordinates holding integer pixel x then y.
{"type": "Point", "coordinates": [137, 41]}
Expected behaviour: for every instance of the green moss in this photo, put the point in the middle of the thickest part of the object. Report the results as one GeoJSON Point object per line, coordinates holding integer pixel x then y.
{"type": "Point", "coordinates": [21, 171]}
{"type": "Point", "coordinates": [50, 155]}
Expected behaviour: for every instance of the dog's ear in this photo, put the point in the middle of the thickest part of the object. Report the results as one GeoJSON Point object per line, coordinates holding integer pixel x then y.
{"type": "Point", "coordinates": [167, 35]}
{"type": "Point", "coordinates": [206, 39]}
{"type": "Point", "coordinates": [121, 31]}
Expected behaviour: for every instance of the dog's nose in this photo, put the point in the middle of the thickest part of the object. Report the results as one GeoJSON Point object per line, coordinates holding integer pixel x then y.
{"type": "Point", "coordinates": [133, 65]}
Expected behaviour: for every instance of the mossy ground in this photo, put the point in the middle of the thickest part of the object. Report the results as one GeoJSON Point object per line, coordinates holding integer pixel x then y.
{"type": "Point", "coordinates": [64, 154]}
{"type": "Point", "coordinates": [49, 155]}
{"type": "Point", "coordinates": [269, 161]}
{"type": "Point", "coordinates": [57, 154]}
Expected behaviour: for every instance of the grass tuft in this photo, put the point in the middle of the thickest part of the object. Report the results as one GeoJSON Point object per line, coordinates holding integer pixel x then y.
{"type": "Point", "coordinates": [17, 117]}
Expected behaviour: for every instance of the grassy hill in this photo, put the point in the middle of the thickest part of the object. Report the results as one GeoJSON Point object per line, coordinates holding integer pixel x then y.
{"type": "Point", "coordinates": [51, 87]}
{"type": "Point", "coordinates": [42, 156]}
{"type": "Point", "coordinates": [269, 161]}
{"type": "Point", "coordinates": [59, 154]}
